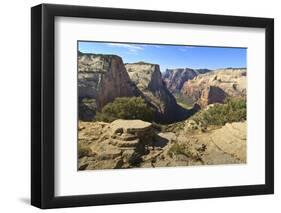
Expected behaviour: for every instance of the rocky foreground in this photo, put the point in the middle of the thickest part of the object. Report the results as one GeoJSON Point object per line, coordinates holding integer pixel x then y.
{"type": "Point", "coordinates": [139, 144]}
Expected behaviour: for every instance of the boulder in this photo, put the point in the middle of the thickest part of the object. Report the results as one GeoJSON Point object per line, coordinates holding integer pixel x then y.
{"type": "Point", "coordinates": [138, 128]}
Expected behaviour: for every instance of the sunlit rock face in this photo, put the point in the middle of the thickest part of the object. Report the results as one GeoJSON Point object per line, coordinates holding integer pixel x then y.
{"type": "Point", "coordinates": [101, 78]}
{"type": "Point", "coordinates": [148, 78]}
{"type": "Point", "coordinates": [175, 78]}
{"type": "Point", "coordinates": [214, 87]}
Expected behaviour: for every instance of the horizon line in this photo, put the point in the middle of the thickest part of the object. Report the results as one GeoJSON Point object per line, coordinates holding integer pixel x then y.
{"type": "Point", "coordinates": [205, 68]}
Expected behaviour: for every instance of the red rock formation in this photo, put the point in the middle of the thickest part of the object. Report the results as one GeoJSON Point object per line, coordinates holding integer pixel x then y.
{"type": "Point", "coordinates": [210, 95]}
{"type": "Point", "coordinates": [203, 89]}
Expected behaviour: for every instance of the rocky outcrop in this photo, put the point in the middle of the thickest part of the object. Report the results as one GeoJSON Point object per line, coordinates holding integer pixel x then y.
{"type": "Point", "coordinates": [148, 79]}
{"type": "Point", "coordinates": [102, 78]}
{"type": "Point", "coordinates": [210, 95]}
{"type": "Point", "coordinates": [131, 133]}
{"type": "Point", "coordinates": [190, 146]}
{"type": "Point", "coordinates": [135, 143]}
{"type": "Point", "coordinates": [119, 144]}
{"type": "Point", "coordinates": [175, 78]}
{"type": "Point", "coordinates": [214, 87]}
{"type": "Point", "coordinates": [231, 138]}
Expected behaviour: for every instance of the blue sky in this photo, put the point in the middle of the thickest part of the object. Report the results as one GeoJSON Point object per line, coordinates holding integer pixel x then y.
{"type": "Point", "coordinates": [170, 56]}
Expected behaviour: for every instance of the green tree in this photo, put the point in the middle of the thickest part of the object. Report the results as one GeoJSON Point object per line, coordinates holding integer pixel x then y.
{"type": "Point", "coordinates": [233, 110]}
{"type": "Point", "coordinates": [126, 108]}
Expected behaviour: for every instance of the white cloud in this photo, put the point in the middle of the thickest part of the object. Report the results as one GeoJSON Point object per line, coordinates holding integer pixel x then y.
{"type": "Point", "coordinates": [185, 48]}
{"type": "Point", "coordinates": [152, 45]}
{"type": "Point", "coordinates": [131, 47]}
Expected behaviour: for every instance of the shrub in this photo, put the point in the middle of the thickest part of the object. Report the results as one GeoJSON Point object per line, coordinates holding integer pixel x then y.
{"type": "Point", "coordinates": [179, 149]}
{"type": "Point", "coordinates": [233, 110]}
{"type": "Point", "coordinates": [184, 149]}
{"type": "Point", "coordinates": [126, 108]}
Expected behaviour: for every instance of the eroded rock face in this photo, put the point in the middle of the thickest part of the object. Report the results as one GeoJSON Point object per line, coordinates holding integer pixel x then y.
{"type": "Point", "coordinates": [210, 95]}
{"type": "Point", "coordinates": [148, 79]}
{"type": "Point", "coordinates": [175, 78]}
{"type": "Point", "coordinates": [131, 133]}
{"type": "Point", "coordinates": [103, 78]}
{"type": "Point", "coordinates": [119, 144]}
{"type": "Point", "coordinates": [214, 86]}
{"type": "Point", "coordinates": [137, 128]}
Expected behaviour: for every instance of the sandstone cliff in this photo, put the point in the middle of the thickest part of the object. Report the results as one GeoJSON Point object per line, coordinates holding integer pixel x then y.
{"type": "Point", "coordinates": [214, 87]}
{"type": "Point", "coordinates": [148, 79]}
{"type": "Point", "coordinates": [101, 78]}
{"type": "Point", "coordinates": [175, 78]}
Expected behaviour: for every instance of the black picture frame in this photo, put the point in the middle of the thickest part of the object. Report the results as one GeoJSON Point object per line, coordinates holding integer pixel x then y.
{"type": "Point", "coordinates": [43, 117]}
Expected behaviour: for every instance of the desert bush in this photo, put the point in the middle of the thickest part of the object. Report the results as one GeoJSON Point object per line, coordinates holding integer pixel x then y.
{"type": "Point", "coordinates": [126, 108]}
{"type": "Point", "coordinates": [233, 110]}
{"type": "Point", "coordinates": [179, 149]}
{"type": "Point", "coordinates": [175, 127]}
